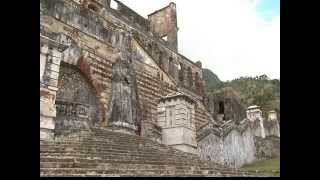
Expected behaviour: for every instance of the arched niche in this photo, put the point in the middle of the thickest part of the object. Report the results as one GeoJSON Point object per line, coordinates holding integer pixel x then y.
{"type": "Point", "coordinates": [160, 63]}
{"type": "Point", "coordinates": [76, 102]}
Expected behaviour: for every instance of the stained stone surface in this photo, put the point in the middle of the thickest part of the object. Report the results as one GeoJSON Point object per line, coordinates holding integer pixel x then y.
{"type": "Point", "coordinates": [76, 103]}
{"type": "Point", "coordinates": [268, 147]}
{"type": "Point", "coordinates": [91, 88]}
{"type": "Point", "coordinates": [234, 148]}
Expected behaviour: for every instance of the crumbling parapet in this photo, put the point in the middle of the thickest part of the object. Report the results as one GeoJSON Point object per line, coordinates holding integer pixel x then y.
{"type": "Point", "coordinates": [163, 23]}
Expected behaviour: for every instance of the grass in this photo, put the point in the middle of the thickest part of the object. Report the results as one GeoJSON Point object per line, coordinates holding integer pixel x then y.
{"type": "Point", "coordinates": [265, 165]}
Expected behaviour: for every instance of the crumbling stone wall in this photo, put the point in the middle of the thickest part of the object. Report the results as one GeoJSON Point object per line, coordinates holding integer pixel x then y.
{"type": "Point", "coordinates": [235, 144]}
{"type": "Point", "coordinates": [232, 107]}
{"type": "Point", "coordinates": [234, 149]}
{"type": "Point", "coordinates": [271, 127]}
{"type": "Point", "coordinates": [239, 148]}
{"type": "Point", "coordinates": [128, 14]}
{"type": "Point", "coordinates": [95, 35]}
{"type": "Point", "coordinates": [163, 23]}
{"type": "Point", "coordinates": [267, 148]}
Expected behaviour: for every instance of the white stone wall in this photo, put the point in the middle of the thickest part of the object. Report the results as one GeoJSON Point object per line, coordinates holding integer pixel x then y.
{"type": "Point", "coordinates": [211, 148]}
{"type": "Point", "coordinates": [238, 149]}
{"type": "Point", "coordinates": [273, 129]}
{"type": "Point", "coordinates": [234, 150]}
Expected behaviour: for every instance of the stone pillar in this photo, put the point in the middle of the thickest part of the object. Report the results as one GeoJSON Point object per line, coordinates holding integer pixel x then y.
{"type": "Point", "coordinates": [51, 47]}
{"type": "Point", "coordinates": [272, 118]}
{"type": "Point", "coordinates": [254, 113]}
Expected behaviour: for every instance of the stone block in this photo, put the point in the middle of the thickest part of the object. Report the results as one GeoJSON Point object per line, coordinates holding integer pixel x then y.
{"type": "Point", "coordinates": [47, 109]}
{"type": "Point", "coordinates": [46, 122]}
{"type": "Point", "coordinates": [181, 137]}
{"type": "Point", "coordinates": [46, 134]}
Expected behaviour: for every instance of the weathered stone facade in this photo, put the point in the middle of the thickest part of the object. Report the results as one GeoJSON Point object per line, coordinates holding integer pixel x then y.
{"type": "Point", "coordinates": [104, 66]}
{"type": "Point", "coordinates": [94, 35]}
{"type": "Point", "coordinates": [225, 105]}
{"type": "Point", "coordinates": [235, 143]}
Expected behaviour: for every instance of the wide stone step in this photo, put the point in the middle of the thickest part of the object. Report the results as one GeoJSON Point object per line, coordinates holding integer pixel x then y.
{"type": "Point", "coordinates": [107, 153]}
{"type": "Point", "coordinates": [129, 155]}
{"type": "Point", "coordinates": [107, 166]}
{"type": "Point", "coordinates": [116, 144]}
{"type": "Point", "coordinates": [96, 148]}
{"type": "Point", "coordinates": [127, 159]}
{"type": "Point", "coordinates": [153, 172]}
{"type": "Point", "coordinates": [142, 172]}
{"type": "Point", "coordinates": [104, 143]}
{"type": "Point", "coordinates": [112, 149]}
{"type": "Point", "coordinates": [116, 159]}
{"type": "Point", "coordinates": [70, 159]}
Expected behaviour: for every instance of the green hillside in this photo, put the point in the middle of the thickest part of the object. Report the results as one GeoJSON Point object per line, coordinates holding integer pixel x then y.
{"type": "Point", "coordinates": [211, 80]}
{"type": "Point", "coordinates": [259, 90]}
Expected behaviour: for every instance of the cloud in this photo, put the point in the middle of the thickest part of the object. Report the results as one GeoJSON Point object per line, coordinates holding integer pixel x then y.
{"type": "Point", "coordinates": [227, 36]}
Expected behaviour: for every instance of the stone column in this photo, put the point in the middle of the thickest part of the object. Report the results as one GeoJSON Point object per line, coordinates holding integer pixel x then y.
{"type": "Point", "coordinates": [51, 47]}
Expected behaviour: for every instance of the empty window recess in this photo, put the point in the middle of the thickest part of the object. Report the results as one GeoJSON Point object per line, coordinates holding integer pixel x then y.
{"type": "Point", "coordinates": [113, 4]}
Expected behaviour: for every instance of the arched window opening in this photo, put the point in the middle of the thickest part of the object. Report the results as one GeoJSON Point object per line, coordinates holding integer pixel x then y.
{"type": "Point", "coordinates": [181, 72]}
{"type": "Point", "coordinates": [93, 7]}
{"type": "Point", "coordinates": [113, 4]}
{"type": "Point", "coordinates": [190, 79]}
{"type": "Point", "coordinates": [171, 66]}
{"type": "Point", "coordinates": [160, 60]}
{"type": "Point", "coordinates": [165, 38]}
{"type": "Point", "coordinates": [197, 82]}
{"type": "Point", "coordinates": [149, 47]}
{"type": "Point", "coordinates": [221, 107]}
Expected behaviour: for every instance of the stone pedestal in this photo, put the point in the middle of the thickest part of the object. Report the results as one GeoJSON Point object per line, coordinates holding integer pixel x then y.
{"type": "Point", "coordinates": [176, 118]}
{"type": "Point", "coordinates": [122, 127]}
{"type": "Point", "coordinates": [181, 138]}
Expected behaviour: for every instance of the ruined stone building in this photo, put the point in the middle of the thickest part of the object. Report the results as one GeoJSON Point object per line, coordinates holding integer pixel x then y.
{"type": "Point", "coordinates": [106, 69]}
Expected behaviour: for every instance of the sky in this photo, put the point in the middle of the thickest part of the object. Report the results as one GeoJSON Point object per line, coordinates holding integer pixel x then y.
{"type": "Point", "coordinates": [232, 38]}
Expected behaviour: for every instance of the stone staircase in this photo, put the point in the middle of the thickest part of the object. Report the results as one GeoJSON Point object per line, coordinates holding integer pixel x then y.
{"type": "Point", "coordinates": [101, 152]}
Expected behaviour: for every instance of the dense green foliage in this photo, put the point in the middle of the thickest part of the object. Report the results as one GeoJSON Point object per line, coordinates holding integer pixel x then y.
{"type": "Point", "coordinates": [259, 90]}
{"type": "Point", "coordinates": [210, 79]}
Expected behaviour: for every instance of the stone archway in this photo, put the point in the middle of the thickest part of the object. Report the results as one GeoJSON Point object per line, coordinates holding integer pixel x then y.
{"type": "Point", "coordinates": [76, 103]}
